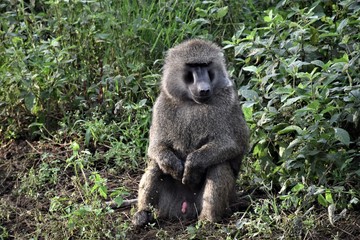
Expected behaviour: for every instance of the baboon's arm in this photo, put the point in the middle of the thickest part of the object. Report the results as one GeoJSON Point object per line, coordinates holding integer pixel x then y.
{"type": "Point", "coordinates": [210, 154]}
{"type": "Point", "coordinates": [168, 162]}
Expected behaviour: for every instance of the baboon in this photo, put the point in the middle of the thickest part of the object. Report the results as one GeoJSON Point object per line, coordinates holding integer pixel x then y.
{"type": "Point", "coordinates": [198, 138]}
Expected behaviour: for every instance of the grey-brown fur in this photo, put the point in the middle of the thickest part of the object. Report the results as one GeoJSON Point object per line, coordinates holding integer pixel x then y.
{"type": "Point", "coordinates": [196, 146]}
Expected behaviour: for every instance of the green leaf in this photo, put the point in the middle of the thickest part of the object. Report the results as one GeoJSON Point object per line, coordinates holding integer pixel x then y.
{"type": "Point", "coordinates": [279, 126]}
{"type": "Point", "coordinates": [298, 187]}
{"type": "Point", "coordinates": [284, 90]}
{"type": "Point", "coordinates": [242, 47]}
{"type": "Point", "coordinates": [118, 200]}
{"type": "Point", "coordinates": [295, 143]}
{"type": "Point", "coordinates": [325, 35]}
{"type": "Point", "coordinates": [318, 63]}
{"type": "Point", "coordinates": [241, 27]}
{"type": "Point", "coordinates": [291, 101]}
{"type": "Point", "coordinates": [249, 95]}
{"type": "Point", "coordinates": [201, 12]}
{"type": "Point", "coordinates": [250, 68]}
{"type": "Point", "coordinates": [87, 136]}
{"type": "Point", "coordinates": [29, 101]}
{"type": "Point", "coordinates": [342, 135]}
{"type": "Point", "coordinates": [248, 112]}
{"type": "Point", "coordinates": [322, 200]}
{"type": "Point", "coordinates": [342, 24]}
{"type": "Point", "coordinates": [55, 43]}
{"type": "Point", "coordinates": [75, 146]}
{"type": "Point", "coordinates": [142, 102]}
{"type": "Point", "coordinates": [102, 36]}
{"type": "Point", "coordinates": [103, 191]}
{"type": "Point", "coordinates": [328, 196]}
{"type": "Point", "coordinates": [267, 19]}
{"type": "Point", "coordinates": [291, 128]}
{"type": "Point", "coordinates": [314, 105]}
{"type": "Point", "coordinates": [354, 201]}
{"type": "Point", "coordinates": [343, 59]}
{"type": "Point", "coordinates": [256, 51]}
{"type": "Point", "coordinates": [221, 12]}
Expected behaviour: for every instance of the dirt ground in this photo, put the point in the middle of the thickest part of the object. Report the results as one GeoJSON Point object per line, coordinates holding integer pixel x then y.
{"type": "Point", "coordinates": [20, 213]}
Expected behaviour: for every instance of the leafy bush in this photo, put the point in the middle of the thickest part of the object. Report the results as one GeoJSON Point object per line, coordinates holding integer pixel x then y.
{"type": "Point", "coordinates": [302, 99]}
{"type": "Point", "coordinates": [62, 56]}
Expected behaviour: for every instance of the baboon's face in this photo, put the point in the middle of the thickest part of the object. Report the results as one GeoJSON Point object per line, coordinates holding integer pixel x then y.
{"type": "Point", "coordinates": [195, 71]}
{"type": "Point", "coordinates": [199, 80]}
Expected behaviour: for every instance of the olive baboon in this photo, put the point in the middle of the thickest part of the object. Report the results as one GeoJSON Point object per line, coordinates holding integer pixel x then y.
{"type": "Point", "coordinates": [198, 138]}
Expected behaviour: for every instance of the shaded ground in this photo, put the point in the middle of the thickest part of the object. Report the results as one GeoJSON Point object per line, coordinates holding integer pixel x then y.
{"type": "Point", "coordinates": [25, 200]}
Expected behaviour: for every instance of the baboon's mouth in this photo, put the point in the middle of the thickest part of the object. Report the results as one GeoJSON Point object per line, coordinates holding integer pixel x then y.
{"type": "Point", "coordinates": [201, 99]}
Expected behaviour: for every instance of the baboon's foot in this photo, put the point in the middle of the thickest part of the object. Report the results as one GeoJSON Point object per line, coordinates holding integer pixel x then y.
{"type": "Point", "coordinates": [142, 217]}
{"type": "Point", "coordinates": [209, 216]}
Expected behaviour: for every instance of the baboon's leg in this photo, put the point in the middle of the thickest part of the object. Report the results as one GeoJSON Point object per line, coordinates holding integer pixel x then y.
{"type": "Point", "coordinates": [218, 187]}
{"type": "Point", "coordinates": [149, 186]}
{"type": "Point", "coordinates": [148, 194]}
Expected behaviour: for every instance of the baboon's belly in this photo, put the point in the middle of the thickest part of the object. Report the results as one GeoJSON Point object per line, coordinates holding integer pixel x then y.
{"type": "Point", "coordinates": [178, 201]}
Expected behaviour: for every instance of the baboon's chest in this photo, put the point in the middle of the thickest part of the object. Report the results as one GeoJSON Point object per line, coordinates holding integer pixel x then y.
{"type": "Point", "coordinates": [193, 127]}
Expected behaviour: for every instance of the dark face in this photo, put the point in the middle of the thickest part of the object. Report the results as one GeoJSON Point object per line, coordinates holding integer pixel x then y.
{"type": "Point", "coordinates": [199, 80]}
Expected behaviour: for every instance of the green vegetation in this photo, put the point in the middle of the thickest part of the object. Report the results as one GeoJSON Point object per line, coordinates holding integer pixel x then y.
{"type": "Point", "coordinates": [78, 80]}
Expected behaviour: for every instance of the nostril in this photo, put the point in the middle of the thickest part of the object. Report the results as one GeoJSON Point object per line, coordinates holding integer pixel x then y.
{"type": "Point", "coordinates": [204, 92]}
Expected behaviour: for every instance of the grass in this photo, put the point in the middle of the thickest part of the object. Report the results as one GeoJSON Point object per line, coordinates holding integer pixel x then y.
{"type": "Point", "coordinates": [79, 79]}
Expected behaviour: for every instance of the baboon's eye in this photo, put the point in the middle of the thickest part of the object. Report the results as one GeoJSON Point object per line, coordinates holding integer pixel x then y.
{"type": "Point", "coordinates": [189, 77]}
{"type": "Point", "coordinates": [211, 75]}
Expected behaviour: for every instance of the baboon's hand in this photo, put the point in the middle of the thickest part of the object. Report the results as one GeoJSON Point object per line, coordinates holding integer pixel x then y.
{"type": "Point", "coordinates": [192, 173]}
{"type": "Point", "coordinates": [175, 168]}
